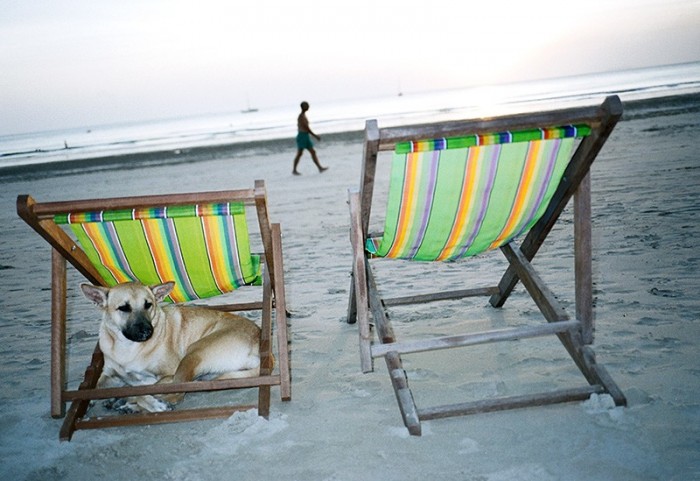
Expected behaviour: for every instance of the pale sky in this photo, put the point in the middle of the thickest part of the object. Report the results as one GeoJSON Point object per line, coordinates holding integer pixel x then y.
{"type": "Point", "coordinates": [74, 63]}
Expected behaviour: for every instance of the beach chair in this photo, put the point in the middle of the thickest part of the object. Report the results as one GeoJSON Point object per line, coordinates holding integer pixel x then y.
{"type": "Point", "coordinates": [199, 240]}
{"type": "Point", "coordinates": [462, 188]}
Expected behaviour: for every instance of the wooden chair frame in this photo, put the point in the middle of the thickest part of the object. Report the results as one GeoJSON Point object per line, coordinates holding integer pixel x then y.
{"type": "Point", "coordinates": [576, 334]}
{"type": "Point", "coordinates": [40, 217]}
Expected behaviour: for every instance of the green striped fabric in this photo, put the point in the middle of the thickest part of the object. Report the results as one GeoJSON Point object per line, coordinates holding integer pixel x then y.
{"type": "Point", "coordinates": [451, 198]}
{"type": "Point", "coordinates": [203, 248]}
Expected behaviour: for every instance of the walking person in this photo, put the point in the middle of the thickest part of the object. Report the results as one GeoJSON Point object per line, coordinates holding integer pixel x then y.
{"type": "Point", "coordinates": [304, 140]}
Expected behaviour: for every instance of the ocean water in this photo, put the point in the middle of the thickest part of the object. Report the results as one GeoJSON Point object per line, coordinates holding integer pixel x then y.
{"type": "Point", "coordinates": [177, 135]}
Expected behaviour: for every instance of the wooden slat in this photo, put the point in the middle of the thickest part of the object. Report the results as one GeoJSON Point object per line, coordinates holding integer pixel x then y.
{"type": "Point", "coordinates": [192, 386]}
{"type": "Point", "coordinates": [540, 293]}
{"type": "Point", "coordinates": [582, 259]}
{"type": "Point", "coordinates": [390, 136]}
{"type": "Point", "coordinates": [281, 315]}
{"type": "Point", "coordinates": [514, 402]}
{"type": "Point", "coordinates": [440, 296]}
{"type": "Point", "coordinates": [49, 209]}
{"type": "Point", "coordinates": [360, 281]}
{"type": "Point", "coordinates": [242, 306]}
{"type": "Point", "coordinates": [369, 168]}
{"type": "Point", "coordinates": [78, 408]}
{"type": "Point", "coordinates": [58, 332]}
{"type": "Point", "coordinates": [265, 229]}
{"type": "Point", "coordinates": [266, 357]}
{"type": "Point", "coordinates": [472, 339]}
{"type": "Point", "coordinates": [382, 323]}
{"type": "Point", "coordinates": [58, 239]}
{"type": "Point", "coordinates": [366, 191]}
{"type": "Point", "coordinates": [407, 406]}
{"type": "Point", "coordinates": [161, 417]}
{"type": "Point", "coordinates": [600, 374]}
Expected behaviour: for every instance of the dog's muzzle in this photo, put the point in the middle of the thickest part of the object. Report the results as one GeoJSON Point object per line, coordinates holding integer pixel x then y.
{"type": "Point", "coordinates": [139, 331]}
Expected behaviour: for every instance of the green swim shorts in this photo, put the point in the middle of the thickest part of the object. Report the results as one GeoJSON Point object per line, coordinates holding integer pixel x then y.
{"type": "Point", "coordinates": [304, 141]}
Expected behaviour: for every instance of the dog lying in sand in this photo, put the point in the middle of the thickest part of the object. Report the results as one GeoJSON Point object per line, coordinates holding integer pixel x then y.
{"type": "Point", "coordinates": [144, 343]}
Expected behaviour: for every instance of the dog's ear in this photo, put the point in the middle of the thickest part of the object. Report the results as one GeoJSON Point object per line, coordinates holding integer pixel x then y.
{"type": "Point", "coordinates": [162, 290]}
{"type": "Point", "coordinates": [96, 294]}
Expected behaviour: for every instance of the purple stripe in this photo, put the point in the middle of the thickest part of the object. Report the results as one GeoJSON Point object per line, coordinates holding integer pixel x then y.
{"type": "Point", "coordinates": [113, 239]}
{"type": "Point", "coordinates": [173, 244]}
{"type": "Point", "coordinates": [543, 185]}
{"type": "Point", "coordinates": [232, 254]}
{"type": "Point", "coordinates": [484, 204]}
{"type": "Point", "coordinates": [430, 192]}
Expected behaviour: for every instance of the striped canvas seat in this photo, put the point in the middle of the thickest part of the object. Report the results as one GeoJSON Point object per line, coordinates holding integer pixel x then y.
{"type": "Point", "coordinates": [457, 197]}
{"type": "Point", "coordinates": [203, 248]}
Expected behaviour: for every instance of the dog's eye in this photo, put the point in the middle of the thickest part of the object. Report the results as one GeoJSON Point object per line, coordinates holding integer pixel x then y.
{"type": "Point", "coordinates": [147, 305]}
{"type": "Point", "coordinates": [124, 308]}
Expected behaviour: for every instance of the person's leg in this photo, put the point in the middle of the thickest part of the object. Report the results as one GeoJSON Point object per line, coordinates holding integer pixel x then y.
{"type": "Point", "coordinates": [315, 158]}
{"type": "Point", "coordinates": [296, 162]}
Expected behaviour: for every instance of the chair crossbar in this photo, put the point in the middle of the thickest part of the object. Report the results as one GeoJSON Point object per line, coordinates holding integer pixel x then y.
{"type": "Point", "coordinates": [184, 415]}
{"type": "Point", "coordinates": [471, 339]}
{"type": "Point", "coordinates": [46, 210]}
{"type": "Point", "coordinates": [440, 296]}
{"type": "Point", "coordinates": [194, 386]}
{"type": "Point", "coordinates": [512, 402]}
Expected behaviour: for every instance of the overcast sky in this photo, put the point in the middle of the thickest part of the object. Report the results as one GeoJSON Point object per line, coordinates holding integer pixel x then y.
{"type": "Point", "coordinates": [74, 63]}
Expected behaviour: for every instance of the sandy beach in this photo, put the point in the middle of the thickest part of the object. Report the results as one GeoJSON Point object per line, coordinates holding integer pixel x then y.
{"type": "Point", "coordinates": [344, 425]}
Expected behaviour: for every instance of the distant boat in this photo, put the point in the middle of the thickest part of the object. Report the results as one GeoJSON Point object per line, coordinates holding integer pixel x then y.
{"type": "Point", "coordinates": [248, 109]}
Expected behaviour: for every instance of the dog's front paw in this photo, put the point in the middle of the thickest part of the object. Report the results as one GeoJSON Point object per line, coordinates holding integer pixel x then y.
{"type": "Point", "coordinates": [135, 405]}
{"type": "Point", "coordinates": [126, 406]}
{"type": "Point", "coordinates": [154, 404]}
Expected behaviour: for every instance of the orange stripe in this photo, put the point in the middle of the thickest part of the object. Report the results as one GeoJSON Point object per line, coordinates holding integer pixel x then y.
{"type": "Point", "coordinates": [466, 201]}
{"type": "Point", "coordinates": [215, 243]}
{"type": "Point", "coordinates": [161, 257]}
{"type": "Point", "coordinates": [94, 232]}
{"type": "Point", "coordinates": [407, 201]}
{"type": "Point", "coordinates": [524, 192]}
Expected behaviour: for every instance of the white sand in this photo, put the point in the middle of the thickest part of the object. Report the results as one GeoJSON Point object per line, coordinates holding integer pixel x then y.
{"type": "Point", "coordinates": [343, 425]}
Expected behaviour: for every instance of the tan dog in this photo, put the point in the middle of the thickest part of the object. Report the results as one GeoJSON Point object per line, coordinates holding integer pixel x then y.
{"type": "Point", "coordinates": [144, 343]}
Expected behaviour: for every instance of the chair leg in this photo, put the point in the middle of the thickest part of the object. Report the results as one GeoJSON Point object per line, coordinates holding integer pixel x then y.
{"type": "Point", "coordinates": [407, 406]}
{"type": "Point", "coordinates": [352, 301]}
{"type": "Point", "coordinates": [266, 359]}
{"type": "Point", "coordinates": [79, 408]}
{"type": "Point", "coordinates": [582, 255]}
{"type": "Point", "coordinates": [281, 316]}
{"type": "Point", "coordinates": [58, 333]}
{"type": "Point", "coordinates": [603, 377]}
{"type": "Point", "coordinates": [359, 276]}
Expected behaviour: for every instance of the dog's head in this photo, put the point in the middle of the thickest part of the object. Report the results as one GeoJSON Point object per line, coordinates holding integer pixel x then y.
{"type": "Point", "coordinates": [129, 308]}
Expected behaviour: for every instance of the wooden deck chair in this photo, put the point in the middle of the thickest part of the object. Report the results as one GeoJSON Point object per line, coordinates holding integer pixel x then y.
{"type": "Point", "coordinates": [199, 240]}
{"type": "Point", "coordinates": [473, 186]}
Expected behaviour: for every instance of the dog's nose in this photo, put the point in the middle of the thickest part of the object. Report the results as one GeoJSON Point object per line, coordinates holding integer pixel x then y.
{"type": "Point", "coordinates": [138, 331]}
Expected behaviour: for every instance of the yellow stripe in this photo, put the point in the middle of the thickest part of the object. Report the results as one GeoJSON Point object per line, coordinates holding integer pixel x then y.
{"type": "Point", "coordinates": [466, 203]}
{"type": "Point", "coordinates": [214, 238]}
{"type": "Point", "coordinates": [407, 205]}
{"type": "Point", "coordinates": [523, 194]}
{"type": "Point", "coordinates": [94, 232]}
{"type": "Point", "coordinates": [157, 243]}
